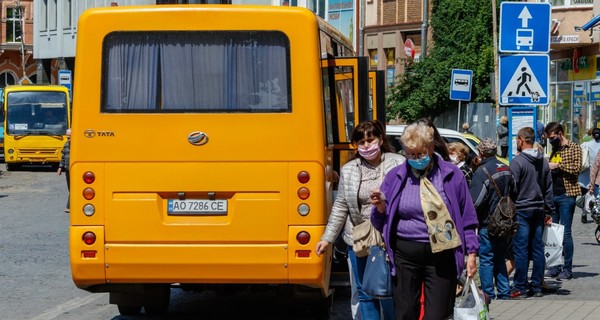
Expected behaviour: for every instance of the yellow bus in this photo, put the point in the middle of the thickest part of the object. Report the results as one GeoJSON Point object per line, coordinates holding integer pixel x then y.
{"type": "Point", "coordinates": [204, 148]}
{"type": "Point", "coordinates": [35, 118]}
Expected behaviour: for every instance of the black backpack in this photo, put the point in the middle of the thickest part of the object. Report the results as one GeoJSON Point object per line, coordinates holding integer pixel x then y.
{"type": "Point", "coordinates": [502, 222]}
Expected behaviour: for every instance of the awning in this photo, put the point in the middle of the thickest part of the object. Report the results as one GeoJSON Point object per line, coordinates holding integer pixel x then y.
{"type": "Point", "coordinates": [591, 23]}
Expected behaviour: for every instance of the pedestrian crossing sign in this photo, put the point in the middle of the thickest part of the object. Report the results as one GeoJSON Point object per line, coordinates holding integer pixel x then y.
{"type": "Point", "coordinates": [524, 79]}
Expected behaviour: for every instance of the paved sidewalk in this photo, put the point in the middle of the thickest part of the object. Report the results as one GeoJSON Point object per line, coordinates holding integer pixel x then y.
{"type": "Point", "coordinates": [576, 299]}
{"type": "Point", "coordinates": [540, 309]}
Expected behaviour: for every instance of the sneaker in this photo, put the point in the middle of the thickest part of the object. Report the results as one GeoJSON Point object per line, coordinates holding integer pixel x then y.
{"type": "Point", "coordinates": [538, 294]}
{"type": "Point", "coordinates": [552, 272]}
{"type": "Point", "coordinates": [564, 275]}
{"type": "Point", "coordinates": [518, 295]}
{"type": "Point", "coordinates": [67, 210]}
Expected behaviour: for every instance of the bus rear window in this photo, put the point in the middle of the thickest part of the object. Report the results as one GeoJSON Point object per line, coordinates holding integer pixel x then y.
{"type": "Point", "coordinates": [196, 71]}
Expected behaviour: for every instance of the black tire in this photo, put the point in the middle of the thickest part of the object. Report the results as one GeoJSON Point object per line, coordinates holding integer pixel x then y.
{"type": "Point", "coordinates": [129, 310]}
{"type": "Point", "coordinates": [597, 233]}
{"type": "Point", "coordinates": [12, 167]}
{"type": "Point", "coordinates": [160, 302]}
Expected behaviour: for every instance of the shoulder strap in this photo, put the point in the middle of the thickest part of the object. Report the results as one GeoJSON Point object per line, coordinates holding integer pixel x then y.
{"type": "Point", "coordinates": [492, 182]}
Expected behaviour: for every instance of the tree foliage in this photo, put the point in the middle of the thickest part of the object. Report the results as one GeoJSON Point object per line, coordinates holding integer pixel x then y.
{"type": "Point", "coordinates": [462, 39]}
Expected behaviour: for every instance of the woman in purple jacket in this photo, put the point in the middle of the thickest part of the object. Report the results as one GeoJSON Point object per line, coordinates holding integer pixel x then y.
{"type": "Point", "coordinates": [426, 215]}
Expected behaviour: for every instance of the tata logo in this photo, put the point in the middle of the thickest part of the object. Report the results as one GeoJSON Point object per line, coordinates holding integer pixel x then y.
{"type": "Point", "coordinates": [89, 133]}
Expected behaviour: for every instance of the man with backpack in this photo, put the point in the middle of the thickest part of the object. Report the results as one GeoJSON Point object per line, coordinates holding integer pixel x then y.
{"type": "Point", "coordinates": [491, 188]}
{"type": "Point", "coordinates": [534, 205]}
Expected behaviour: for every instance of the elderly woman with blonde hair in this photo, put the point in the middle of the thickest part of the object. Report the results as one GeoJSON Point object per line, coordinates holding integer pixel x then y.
{"type": "Point", "coordinates": [425, 213]}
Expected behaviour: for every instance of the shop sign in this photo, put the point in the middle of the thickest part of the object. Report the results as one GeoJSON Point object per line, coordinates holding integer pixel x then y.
{"type": "Point", "coordinates": [594, 91]}
{"type": "Point", "coordinates": [564, 39]}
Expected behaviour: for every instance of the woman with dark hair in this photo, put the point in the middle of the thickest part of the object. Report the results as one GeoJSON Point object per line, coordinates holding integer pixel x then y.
{"type": "Point", "coordinates": [353, 206]}
{"type": "Point", "coordinates": [440, 146]}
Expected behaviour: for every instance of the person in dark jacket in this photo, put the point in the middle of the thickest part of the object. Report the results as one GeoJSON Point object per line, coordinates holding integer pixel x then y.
{"type": "Point", "coordinates": [502, 131]}
{"type": "Point", "coordinates": [492, 249]}
{"type": "Point", "coordinates": [534, 207]}
{"type": "Point", "coordinates": [64, 165]}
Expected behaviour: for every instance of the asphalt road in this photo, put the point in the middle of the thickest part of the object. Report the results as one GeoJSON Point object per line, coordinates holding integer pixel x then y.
{"type": "Point", "coordinates": [35, 274]}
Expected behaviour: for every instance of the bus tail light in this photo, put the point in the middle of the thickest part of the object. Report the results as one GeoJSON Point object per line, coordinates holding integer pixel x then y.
{"type": "Point", "coordinates": [89, 177]}
{"type": "Point", "coordinates": [303, 193]}
{"type": "Point", "coordinates": [303, 237]}
{"type": "Point", "coordinates": [89, 193]}
{"type": "Point", "coordinates": [89, 238]}
{"type": "Point", "coordinates": [303, 209]}
{"type": "Point", "coordinates": [89, 210]}
{"type": "Point", "coordinates": [303, 177]}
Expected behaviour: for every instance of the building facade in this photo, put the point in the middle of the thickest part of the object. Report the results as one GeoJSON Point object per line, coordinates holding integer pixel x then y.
{"type": "Point", "coordinates": [16, 46]}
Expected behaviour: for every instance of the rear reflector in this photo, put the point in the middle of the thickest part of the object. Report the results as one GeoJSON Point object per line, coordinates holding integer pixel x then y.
{"type": "Point", "coordinates": [303, 209]}
{"type": "Point", "coordinates": [88, 254]}
{"type": "Point", "coordinates": [89, 210]}
{"type": "Point", "coordinates": [302, 253]}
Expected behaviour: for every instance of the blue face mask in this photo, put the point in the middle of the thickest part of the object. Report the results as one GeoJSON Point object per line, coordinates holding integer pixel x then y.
{"type": "Point", "coordinates": [421, 163]}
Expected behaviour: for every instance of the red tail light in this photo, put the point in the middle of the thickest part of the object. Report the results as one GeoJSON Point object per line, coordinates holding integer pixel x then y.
{"type": "Point", "coordinates": [303, 177]}
{"type": "Point", "coordinates": [303, 237]}
{"type": "Point", "coordinates": [89, 177]}
{"type": "Point", "coordinates": [89, 238]}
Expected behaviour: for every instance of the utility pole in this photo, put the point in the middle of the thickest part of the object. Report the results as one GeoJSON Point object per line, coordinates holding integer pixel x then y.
{"type": "Point", "coordinates": [495, 39]}
{"type": "Point", "coordinates": [424, 31]}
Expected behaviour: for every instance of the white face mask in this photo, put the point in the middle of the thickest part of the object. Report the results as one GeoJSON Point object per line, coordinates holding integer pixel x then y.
{"type": "Point", "coordinates": [454, 159]}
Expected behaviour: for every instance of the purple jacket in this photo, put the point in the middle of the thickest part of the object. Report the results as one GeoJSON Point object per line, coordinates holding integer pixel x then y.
{"type": "Point", "coordinates": [459, 205]}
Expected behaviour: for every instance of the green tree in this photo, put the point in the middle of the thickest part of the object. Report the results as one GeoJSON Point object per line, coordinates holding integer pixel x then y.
{"type": "Point", "coordinates": [462, 39]}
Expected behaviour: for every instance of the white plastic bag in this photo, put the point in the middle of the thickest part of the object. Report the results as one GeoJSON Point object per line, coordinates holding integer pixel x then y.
{"type": "Point", "coordinates": [553, 244]}
{"type": "Point", "coordinates": [587, 198]}
{"type": "Point", "coordinates": [471, 304]}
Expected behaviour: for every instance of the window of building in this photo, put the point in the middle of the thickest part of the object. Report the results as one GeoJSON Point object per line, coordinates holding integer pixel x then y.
{"type": "Point", "coordinates": [390, 54]}
{"type": "Point", "coordinates": [6, 78]}
{"type": "Point", "coordinates": [13, 24]}
{"type": "Point", "coordinates": [373, 57]}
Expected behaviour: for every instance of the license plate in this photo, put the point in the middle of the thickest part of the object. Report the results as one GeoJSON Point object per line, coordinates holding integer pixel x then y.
{"type": "Point", "coordinates": [196, 207]}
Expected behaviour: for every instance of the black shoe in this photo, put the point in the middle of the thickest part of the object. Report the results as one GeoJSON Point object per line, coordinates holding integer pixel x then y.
{"type": "Point", "coordinates": [583, 218]}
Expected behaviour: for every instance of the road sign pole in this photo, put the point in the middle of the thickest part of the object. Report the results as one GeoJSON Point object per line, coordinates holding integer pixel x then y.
{"type": "Point", "coordinates": [458, 117]}
{"type": "Point", "coordinates": [495, 38]}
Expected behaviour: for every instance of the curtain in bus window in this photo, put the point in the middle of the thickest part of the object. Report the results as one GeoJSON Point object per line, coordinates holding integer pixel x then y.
{"type": "Point", "coordinates": [225, 71]}
{"type": "Point", "coordinates": [131, 72]}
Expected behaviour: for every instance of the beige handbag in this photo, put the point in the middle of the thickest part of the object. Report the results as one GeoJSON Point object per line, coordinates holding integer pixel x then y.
{"type": "Point", "coordinates": [365, 236]}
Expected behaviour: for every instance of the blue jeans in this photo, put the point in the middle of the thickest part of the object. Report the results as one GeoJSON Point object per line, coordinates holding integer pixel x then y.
{"type": "Point", "coordinates": [492, 265]}
{"type": "Point", "coordinates": [563, 214]}
{"type": "Point", "coordinates": [529, 237]}
{"type": "Point", "coordinates": [368, 307]}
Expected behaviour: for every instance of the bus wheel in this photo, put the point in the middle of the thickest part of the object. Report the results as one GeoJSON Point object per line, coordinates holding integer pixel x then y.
{"type": "Point", "coordinates": [322, 309]}
{"type": "Point", "coordinates": [129, 310]}
{"type": "Point", "coordinates": [158, 303]}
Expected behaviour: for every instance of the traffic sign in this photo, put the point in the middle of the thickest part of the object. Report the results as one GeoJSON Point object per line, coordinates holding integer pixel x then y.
{"type": "Point", "coordinates": [525, 27]}
{"type": "Point", "coordinates": [594, 90]}
{"type": "Point", "coordinates": [460, 88]}
{"type": "Point", "coordinates": [64, 79]}
{"type": "Point", "coordinates": [524, 79]}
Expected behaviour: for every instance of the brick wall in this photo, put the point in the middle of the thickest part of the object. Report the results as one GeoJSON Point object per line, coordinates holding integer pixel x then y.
{"type": "Point", "coordinates": [389, 12]}
{"type": "Point", "coordinates": [415, 11]}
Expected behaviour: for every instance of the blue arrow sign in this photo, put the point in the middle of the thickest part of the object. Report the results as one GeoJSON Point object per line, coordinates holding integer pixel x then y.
{"type": "Point", "coordinates": [525, 27]}
{"type": "Point", "coordinates": [524, 79]}
{"type": "Point", "coordinates": [460, 87]}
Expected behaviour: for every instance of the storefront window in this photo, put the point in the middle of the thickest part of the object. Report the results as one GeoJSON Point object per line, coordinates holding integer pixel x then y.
{"type": "Point", "coordinates": [390, 54]}
{"type": "Point", "coordinates": [373, 57]}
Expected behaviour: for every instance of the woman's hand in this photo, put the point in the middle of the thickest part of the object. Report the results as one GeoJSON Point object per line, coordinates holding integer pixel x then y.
{"type": "Point", "coordinates": [378, 200]}
{"type": "Point", "coordinates": [321, 247]}
{"type": "Point", "coordinates": [471, 265]}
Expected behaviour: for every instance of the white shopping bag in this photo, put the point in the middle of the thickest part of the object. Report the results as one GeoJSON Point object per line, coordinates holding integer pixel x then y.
{"type": "Point", "coordinates": [553, 244]}
{"type": "Point", "coordinates": [471, 304]}
{"type": "Point", "coordinates": [588, 200]}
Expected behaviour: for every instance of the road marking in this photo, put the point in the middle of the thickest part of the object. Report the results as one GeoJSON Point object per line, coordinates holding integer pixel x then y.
{"type": "Point", "coordinates": [68, 306]}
